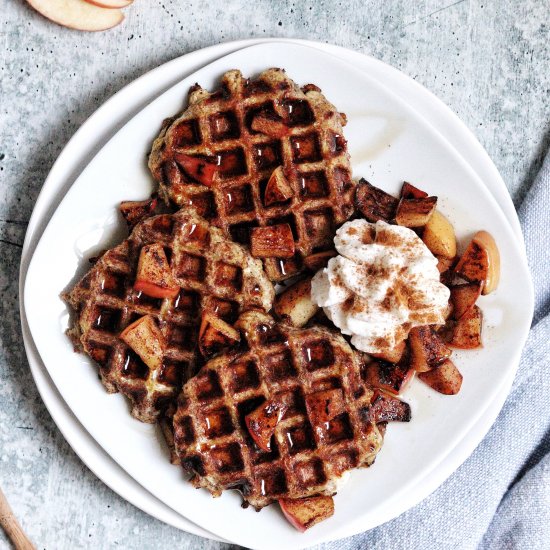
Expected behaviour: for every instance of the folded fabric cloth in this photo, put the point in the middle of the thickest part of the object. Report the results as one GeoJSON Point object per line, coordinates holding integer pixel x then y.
{"type": "Point", "coordinates": [500, 497]}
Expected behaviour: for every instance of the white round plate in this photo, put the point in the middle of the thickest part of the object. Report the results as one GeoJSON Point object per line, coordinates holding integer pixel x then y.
{"type": "Point", "coordinates": [93, 239]}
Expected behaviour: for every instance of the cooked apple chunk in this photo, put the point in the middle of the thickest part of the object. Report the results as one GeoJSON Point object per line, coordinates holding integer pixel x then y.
{"type": "Point", "coordinates": [135, 211]}
{"type": "Point", "coordinates": [274, 241]}
{"type": "Point", "coordinates": [445, 378]}
{"type": "Point", "coordinates": [415, 212]}
{"type": "Point", "coordinates": [439, 236]}
{"type": "Point", "coordinates": [392, 355]}
{"type": "Point", "coordinates": [373, 203]}
{"type": "Point", "coordinates": [480, 262]}
{"type": "Point", "coordinates": [198, 168]}
{"type": "Point", "coordinates": [154, 277]}
{"type": "Point", "coordinates": [295, 303]}
{"type": "Point", "coordinates": [278, 188]}
{"type": "Point", "coordinates": [427, 349]}
{"type": "Point", "coordinates": [261, 423]}
{"type": "Point", "coordinates": [146, 339]}
{"type": "Point", "coordinates": [409, 191]}
{"type": "Point", "coordinates": [464, 297]}
{"type": "Point", "coordinates": [323, 406]}
{"type": "Point", "coordinates": [315, 262]}
{"type": "Point", "coordinates": [466, 332]}
{"type": "Point", "coordinates": [215, 335]}
{"type": "Point", "coordinates": [386, 408]}
{"type": "Point", "coordinates": [306, 512]}
{"type": "Point", "coordinates": [388, 377]}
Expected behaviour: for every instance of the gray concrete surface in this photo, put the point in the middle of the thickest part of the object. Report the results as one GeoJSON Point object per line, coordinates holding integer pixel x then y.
{"type": "Point", "coordinates": [489, 60]}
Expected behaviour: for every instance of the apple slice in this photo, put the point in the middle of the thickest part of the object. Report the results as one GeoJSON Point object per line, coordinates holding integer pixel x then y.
{"type": "Point", "coordinates": [78, 14]}
{"type": "Point", "coordinates": [154, 277]}
{"type": "Point", "coordinates": [385, 376]}
{"type": "Point", "coordinates": [278, 189]}
{"type": "Point", "coordinates": [480, 262]}
{"type": "Point", "coordinates": [146, 339]}
{"type": "Point", "coordinates": [198, 168]}
{"type": "Point", "coordinates": [110, 4]}
{"type": "Point", "coordinates": [295, 303]}
{"type": "Point", "coordinates": [467, 330]}
{"type": "Point", "coordinates": [439, 236]}
{"type": "Point", "coordinates": [385, 408]}
{"type": "Point", "coordinates": [304, 513]}
{"type": "Point", "coordinates": [464, 297]}
{"type": "Point", "coordinates": [135, 211]}
{"type": "Point", "coordinates": [445, 378]}
{"type": "Point", "coordinates": [215, 334]}
{"type": "Point", "coordinates": [409, 191]}
{"type": "Point", "coordinates": [392, 355]}
{"type": "Point", "coordinates": [415, 212]}
{"type": "Point", "coordinates": [427, 349]}
{"type": "Point", "coordinates": [261, 423]}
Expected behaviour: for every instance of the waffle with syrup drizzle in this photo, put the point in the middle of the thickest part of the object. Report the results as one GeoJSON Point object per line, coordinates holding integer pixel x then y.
{"type": "Point", "coordinates": [214, 275]}
{"type": "Point", "coordinates": [285, 365]}
{"type": "Point", "coordinates": [242, 133]}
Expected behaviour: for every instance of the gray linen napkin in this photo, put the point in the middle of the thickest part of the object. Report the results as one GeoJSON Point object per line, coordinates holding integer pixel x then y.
{"type": "Point", "coordinates": [500, 497]}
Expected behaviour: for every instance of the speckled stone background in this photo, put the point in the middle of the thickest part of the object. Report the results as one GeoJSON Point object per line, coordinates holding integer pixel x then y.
{"type": "Point", "coordinates": [489, 60]}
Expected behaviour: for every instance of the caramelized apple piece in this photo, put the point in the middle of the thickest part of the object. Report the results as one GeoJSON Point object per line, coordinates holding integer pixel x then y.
{"type": "Point", "coordinates": [464, 297]}
{"type": "Point", "coordinates": [480, 262]}
{"type": "Point", "coordinates": [445, 378]}
{"type": "Point", "coordinates": [278, 189]}
{"type": "Point", "coordinates": [269, 125]}
{"type": "Point", "coordinates": [373, 203]}
{"type": "Point", "coordinates": [444, 264]}
{"type": "Point", "coordinates": [146, 339]}
{"type": "Point", "coordinates": [295, 303]}
{"type": "Point", "coordinates": [392, 355]}
{"type": "Point", "coordinates": [199, 168]}
{"type": "Point", "coordinates": [274, 241]}
{"type": "Point", "coordinates": [467, 330]}
{"type": "Point", "coordinates": [261, 423]}
{"type": "Point", "coordinates": [154, 277]}
{"type": "Point", "coordinates": [415, 212]}
{"type": "Point", "coordinates": [385, 408]}
{"type": "Point", "coordinates": [388, 377]}
{"type": "Point", "coordinates": [427, 349]}
{"type": "Point", "coordinates": [215, 334]}
{"type": "Point", "coordinates": [409, 191]}
{"type": "Point", "coordinates": [439, 236]}
{"type": "Point", "coordinates": [306, 512]}
{"type": "Point", "coordinates": [135, 211]}
{"type": "Point", "coordinates": [323, 406]}
{"type": "Point", "coordinates": [317, 261]}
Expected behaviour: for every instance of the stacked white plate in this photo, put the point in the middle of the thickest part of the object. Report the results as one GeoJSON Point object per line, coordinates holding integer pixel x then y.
{"type": "Point", "coordinates": [397, 130]}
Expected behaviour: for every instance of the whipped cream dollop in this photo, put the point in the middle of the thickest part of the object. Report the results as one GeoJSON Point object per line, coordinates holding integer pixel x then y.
{"type": "Point", "coordinates": [383, 282]}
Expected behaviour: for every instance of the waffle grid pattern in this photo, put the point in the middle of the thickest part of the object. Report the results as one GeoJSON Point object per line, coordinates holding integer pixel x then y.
{"type": "Point", "coordinates": [214, 275]}
{"type": "Point", "coordinates": [312, 151]}
{"type": "Point", "coordinates": [288, 364]}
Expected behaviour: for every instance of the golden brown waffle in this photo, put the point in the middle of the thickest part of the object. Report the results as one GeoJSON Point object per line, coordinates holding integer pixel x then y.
{"type": "Point", "coordinates": [295, 128]}
{"type": "Point", "coordinates": [214, 275]}
{"type": "Point", "coordinates": [283, 365]}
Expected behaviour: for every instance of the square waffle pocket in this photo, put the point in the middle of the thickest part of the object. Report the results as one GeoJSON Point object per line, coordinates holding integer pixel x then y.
{"type": "Point", "coordinates": [211, 276]}
{"type": "Point", "coordinates": [260, 158]}
{"type": "Point", "coordinates": [311, 448]}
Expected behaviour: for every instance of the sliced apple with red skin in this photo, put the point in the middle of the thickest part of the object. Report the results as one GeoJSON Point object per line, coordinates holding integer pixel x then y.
{"type": "Point", "coordinates": [409, 191]}
{"type": "Point", "coordinates": [215, 335]}
{"type": "Point", "coordinates": [464, 297]}
{"type": "Point", "coordinates": [388, 377]}
{"type": "Point", "coordinates": [466, 332]}
{"type": "Point", "coordinates": [200, 169]}
{"type": "Point", "coordinates": [110, 4]}
{"type": "Point", "coordinates": [304, 513]}
{"type": "Point", "coordinates": [154, 277]}
{"type": "Point", "coordinates": [415, 212]}
{"type": "Point", "coordinates": [445, 378]}
{"type": "Point", "coordinates": [78, 14]}
{"type": "Point", "coordinates": [480, 262]}
{"type": "Point", "coordinates": [278, 188]}
{"type": "Point", "coordinates": [261, 423]}
{"type": "Point", "coordinates": [146, 339]}
{"type": "Point", "coordinates": [427, 349]}
{"type": "Point", "coordinates": [135, 211]}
